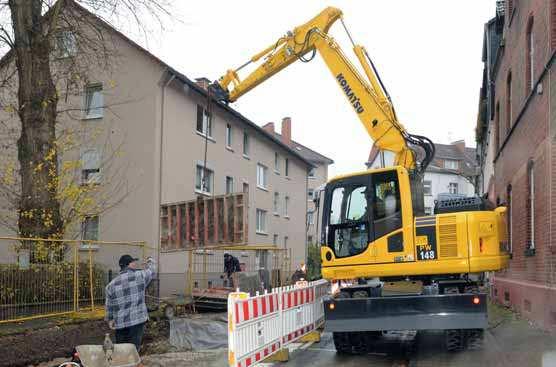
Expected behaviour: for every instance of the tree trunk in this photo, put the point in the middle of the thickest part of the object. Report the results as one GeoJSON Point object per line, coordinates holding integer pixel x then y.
{"type": "Point", "coordinates": [39, 209]}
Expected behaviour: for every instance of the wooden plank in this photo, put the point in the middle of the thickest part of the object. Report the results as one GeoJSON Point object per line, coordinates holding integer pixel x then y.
{"type": "Point", "coordinates": [225, 219]}
{"type": "Point", "coordinates": [245, 220]}
{"type": "Point", "coordinates": [178, 226]}
{"type": "Point", "coordinates": [215, 224]}
{"type": "Point", "coordinates": [235, 224]}
{"type": "Point", "coordinates": [169, 219]}
{"type": "Point", "coordinates": [187, 226]}
{"type": "Point", "coordinates": [206, 222]}
{"type": "Point", "coordinates": [196, 233]}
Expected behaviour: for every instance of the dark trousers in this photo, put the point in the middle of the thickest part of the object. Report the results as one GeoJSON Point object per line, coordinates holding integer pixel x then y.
{"type": "Point", "coordinates": [132, 334]}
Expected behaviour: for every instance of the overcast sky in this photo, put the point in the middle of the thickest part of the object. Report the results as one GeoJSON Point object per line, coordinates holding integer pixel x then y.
{"type": "Point", "coordinates": [427, 52]}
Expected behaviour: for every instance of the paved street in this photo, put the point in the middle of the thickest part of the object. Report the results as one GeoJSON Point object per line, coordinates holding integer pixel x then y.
{"type": "Point", "coordinates": [508, 342]}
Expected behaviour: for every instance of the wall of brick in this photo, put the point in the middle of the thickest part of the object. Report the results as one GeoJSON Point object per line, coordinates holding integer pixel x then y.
{"type": "Point", "coordinates": [528, 285]}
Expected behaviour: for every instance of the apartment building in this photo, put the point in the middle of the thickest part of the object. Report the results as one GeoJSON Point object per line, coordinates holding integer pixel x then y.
{"type": "Point", "coordinates": [452, 172]}
{"type": "Point", "coordinates": [517, 130]}
{"type": "Point", "coordinates": [157, 123]}
{"type": "Point", "coordinates": [317, 176]}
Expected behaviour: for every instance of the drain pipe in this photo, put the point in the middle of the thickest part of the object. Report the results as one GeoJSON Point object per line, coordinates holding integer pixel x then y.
{"type": "Point", "coordinates": [160, 160]}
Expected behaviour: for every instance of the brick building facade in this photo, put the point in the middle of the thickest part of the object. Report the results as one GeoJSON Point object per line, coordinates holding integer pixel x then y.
{"type": "Point", "coordinates": [516, 132]}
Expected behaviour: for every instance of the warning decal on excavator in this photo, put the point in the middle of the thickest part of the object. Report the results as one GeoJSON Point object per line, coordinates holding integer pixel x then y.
{"type": "Point", "coordinates": [425, 241]}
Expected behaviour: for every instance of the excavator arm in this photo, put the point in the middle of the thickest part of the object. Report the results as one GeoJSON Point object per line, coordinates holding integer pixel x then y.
{"type": "Point", "coordinates": [368, 97]}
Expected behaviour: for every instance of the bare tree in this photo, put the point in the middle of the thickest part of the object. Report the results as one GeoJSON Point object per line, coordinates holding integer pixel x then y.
{"type": "Point", "coordinates": [39, 38]}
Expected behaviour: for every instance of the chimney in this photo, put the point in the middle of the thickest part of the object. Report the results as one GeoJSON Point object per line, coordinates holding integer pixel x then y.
{"type": "Point", "coordinates": [460, 146]}
{"type": "Point", "coordinates": [287, 131]}
{"type": "Point", "coordinates": [203, 82]}
{"type": "Point", "coordinates": [269, 128]}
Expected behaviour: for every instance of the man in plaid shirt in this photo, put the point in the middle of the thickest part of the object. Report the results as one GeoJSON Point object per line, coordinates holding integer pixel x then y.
{"type": "Point", "coordinates": [126, 310]}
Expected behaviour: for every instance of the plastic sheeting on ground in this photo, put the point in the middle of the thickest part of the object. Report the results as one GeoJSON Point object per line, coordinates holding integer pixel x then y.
{"type": "Point", "coordinates": [199, 334]}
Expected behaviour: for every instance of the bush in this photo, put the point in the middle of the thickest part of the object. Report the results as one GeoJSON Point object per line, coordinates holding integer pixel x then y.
{"type": "Point", "coordinates": [48, 283]}
{"type": "Point", "coordinates": [313, 262]}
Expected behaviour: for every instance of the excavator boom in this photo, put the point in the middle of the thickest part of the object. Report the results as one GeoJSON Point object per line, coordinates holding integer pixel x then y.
{"type": "Point", "coordinates": [367, 96]}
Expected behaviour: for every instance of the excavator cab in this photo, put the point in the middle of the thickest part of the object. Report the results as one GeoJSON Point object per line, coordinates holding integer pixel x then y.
{"type": "Point", "coordinates": [367, 219]}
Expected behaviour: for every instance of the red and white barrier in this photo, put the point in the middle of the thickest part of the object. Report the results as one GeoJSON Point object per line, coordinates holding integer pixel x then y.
{"type": "Point", "coordinates": [261, 325]}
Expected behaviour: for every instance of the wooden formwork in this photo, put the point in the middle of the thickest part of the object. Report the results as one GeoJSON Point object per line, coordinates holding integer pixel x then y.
{"type": "Point", "coordinates": [205, 221]}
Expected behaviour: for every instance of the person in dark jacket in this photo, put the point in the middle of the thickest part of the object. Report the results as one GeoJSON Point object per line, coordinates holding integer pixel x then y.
{"type": "Point", "coordinates": [231, 266]}
{"type": "Point", "coordinates": [300, 274]}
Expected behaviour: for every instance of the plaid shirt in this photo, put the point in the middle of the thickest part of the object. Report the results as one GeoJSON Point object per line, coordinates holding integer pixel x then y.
{"type": "Point", "coordinates": [125, 297]}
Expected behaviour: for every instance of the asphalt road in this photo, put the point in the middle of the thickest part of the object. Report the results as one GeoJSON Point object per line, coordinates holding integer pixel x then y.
{"type": "Point", "coordinates": [503, 348]}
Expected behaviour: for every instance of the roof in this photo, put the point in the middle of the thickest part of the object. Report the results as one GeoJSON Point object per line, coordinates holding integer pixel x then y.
{"type": "Point", "coordinates": [190, 83]}
{"type": "Point", "coordinates": [445, 151]}
{"type": "Point", "coordinates": [306, 152]}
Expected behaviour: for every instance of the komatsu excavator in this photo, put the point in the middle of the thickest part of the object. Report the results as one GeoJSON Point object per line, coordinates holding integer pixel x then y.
{"type": "Point", "coordinates": [374, 233]}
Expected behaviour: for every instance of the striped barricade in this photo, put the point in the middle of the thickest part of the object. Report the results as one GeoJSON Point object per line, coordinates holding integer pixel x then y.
{"type": "Point", "coordinates": [322, 287]}
{"type": "Point", "coordinates": [254, 328]}
{"type": "Point", "coordinates": [262, 325]}
{"type": "Point", "coordinates": [297, 312]}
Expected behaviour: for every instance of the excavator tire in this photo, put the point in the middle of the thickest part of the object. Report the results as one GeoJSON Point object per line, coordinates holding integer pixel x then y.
{"type": "Point", "coordinates": [342, 343]}
{"type": "Point", "coordinates": [454, 339]}
{"type": "Point", "coordinates": [475, 338]}
{"type": "Point", "coordinates": [358, 341]}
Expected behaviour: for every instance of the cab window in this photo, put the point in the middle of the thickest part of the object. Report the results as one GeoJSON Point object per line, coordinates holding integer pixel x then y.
{"type": "Point", "coordinates": [387, 216]}
{"type": "Point", "coordinates": [348, 230]}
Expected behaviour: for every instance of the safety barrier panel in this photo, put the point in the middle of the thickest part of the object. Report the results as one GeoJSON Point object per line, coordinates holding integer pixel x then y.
{"type": "Point", "coordinates": [260, 326]}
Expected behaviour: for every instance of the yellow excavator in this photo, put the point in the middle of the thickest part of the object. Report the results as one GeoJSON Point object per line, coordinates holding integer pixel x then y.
{"type": "Point", "coordinates": [373, 231]}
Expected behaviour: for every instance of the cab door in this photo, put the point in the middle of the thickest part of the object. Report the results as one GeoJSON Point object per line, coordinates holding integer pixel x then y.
{"type": "Point", "coordinates": [392, 236]}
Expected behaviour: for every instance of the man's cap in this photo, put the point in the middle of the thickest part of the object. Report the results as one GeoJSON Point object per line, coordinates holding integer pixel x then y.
{"type": "Point", "coordinates": [125, 260]}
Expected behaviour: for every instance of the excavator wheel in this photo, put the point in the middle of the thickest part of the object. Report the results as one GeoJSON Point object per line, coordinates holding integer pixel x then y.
{"type": "Point", "coordinates": [342, 342]}
{"type": "Point", "coordinates": [475, 339]}
{"type": "Point", "coordinates": [454, 340]}
{"type": "Point", "coordinates": [358, 341]}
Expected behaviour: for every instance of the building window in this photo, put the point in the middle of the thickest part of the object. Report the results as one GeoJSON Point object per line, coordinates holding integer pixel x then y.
{"type": "Point", "coordinates": [497, 128]}
{"type": "Point", "coordinates": [508, 102]}
{"type": "Point", "coordinates": [428, 210]}
{"type": "Point", "coordinates": [261, 221]}
{"type": "Point", "coordinates": [275, 204]}
{"type": "Point", "coordinates": [203, 180]}
{"type": "Point", "coordinates": [276, 163]}
{"type": "Point", "coordinates": [228, 135]}
{"type": "Point", "coordinates": [453, 188]}
{"type": "Point", "coordinates": [312, 172]}
{"type": "Point", "coordinates": [245, 188]}
{"type": "Point", "coordinates": [286, 204]}
{"type": "Point", "coordinates": [245, 144]}
{"type": "Point", "coordinates": [275, 239]}
{"type": "Point", "coordinates": [229, 185]}
{"type": "Point", "coordinates": [90, 167]}
{"type": "Point", "coordinates": [204, 124]}
{"type": "Point", "coordinates": [285, 241]}
{"type": "Point", "coordinates": [310, 194]}
{"type": "Point", "coordinates": [510, 224]}
{"type": "Point", "coordinates": [427, 188]}
{"type": "Point", "coordinates": [89, 231]}
{"type": "Point", "coordinates": [310, 218]}
{"type": "Point", "coordinates": [262, 176]}
{"type": "Point", "coordinates": [66, 45]}
{"type": "Point", "coordinates": [529, 61]}
{"type": "Point", "coordinates": [310, 240]}
{"type": "Point", "coordinates": [287, 167]}
{"type": "Point", "coordinates": [530, 206]}
{"type": "Point", "coordinates": [94, 101]}
{"type": "Point", "coordinates": [450, 164]}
